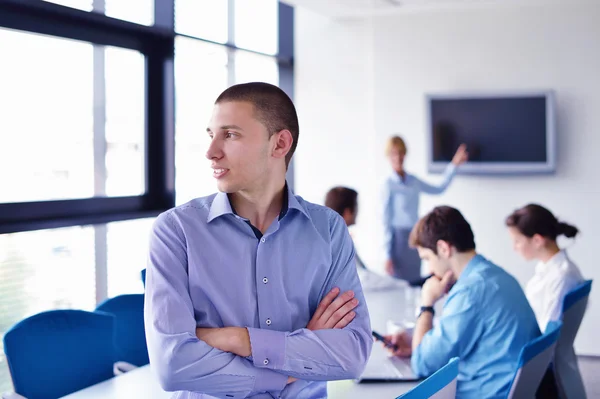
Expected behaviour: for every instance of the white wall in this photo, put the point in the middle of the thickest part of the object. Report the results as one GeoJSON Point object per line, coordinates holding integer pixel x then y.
{"type": "Point", "coordinates": [374, 85]}
{"type": "Point", "coordinates": [334, 99]}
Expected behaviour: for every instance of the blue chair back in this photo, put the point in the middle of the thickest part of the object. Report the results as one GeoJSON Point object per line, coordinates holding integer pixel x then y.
{"type": "Point", "coordinates": [143, 272]}
{"type": "Point", "coordinates": [55, 353]}
{"type": "Point", "coordinates": [534, 360]}
{"type": "Point", "coordinates": [130, 336]}
{"type": "Point", "coordinates": [566, 367]}
{"type": "Point", "coordinates": [440, 385]}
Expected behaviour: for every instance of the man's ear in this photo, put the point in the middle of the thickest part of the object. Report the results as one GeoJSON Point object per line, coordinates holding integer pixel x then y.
{"type": "Point", "coordinates": [444, 249]}
{"type": "Point", "coordinates": [283, 143]}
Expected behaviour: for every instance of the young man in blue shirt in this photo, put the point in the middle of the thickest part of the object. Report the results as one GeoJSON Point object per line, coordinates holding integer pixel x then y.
{"type": "Point", "coordinates": [486, 319]}
{"type": "Point", "coordinates": [237, 283]}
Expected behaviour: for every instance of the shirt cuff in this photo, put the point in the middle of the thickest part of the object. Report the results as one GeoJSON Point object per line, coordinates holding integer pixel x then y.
{"type": "Point", "coordinates": [269, 381]}
{"type": "Point", "coordinates": [268, 348]}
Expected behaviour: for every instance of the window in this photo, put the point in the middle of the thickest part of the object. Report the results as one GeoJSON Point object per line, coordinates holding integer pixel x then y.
{"type": "Point", "coordinates": [202, 18]}
{"type": "Point", "coordinates": [256, 25]}
{"type": "Point", "coordinates": [85, 5]}
{"type": "Point", "coordinates": [51, 87]}
{"type": "Point", "coordinates": [37, 272]}
{"type": "Point", "coordinates": [137, 11]}
{"type": "Point", "coordinates": [201, 74]}
{"type": "Point", "coordinates": [127, 254]}
{"type": "Point", "coordinates": [250, 67]}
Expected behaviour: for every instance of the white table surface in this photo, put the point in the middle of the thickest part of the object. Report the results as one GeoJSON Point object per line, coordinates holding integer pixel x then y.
{"type": "Point", "coordinates": [142, 383]}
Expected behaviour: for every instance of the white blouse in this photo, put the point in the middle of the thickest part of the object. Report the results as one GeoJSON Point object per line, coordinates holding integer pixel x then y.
{"type": "Point", "coordinates": [548, 287]}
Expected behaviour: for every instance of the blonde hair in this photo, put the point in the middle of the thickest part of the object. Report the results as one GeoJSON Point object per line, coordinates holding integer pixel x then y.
{"type": "Point", "coordinates": [395, 143]}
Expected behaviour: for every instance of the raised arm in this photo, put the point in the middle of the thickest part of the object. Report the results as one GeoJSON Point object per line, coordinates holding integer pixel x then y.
{"type": "Point", "coordinates": [326, 354]}
{"type": "Point", "coordinates": [461, 156]}
{"type": "Point", "coordinates": [181, 360]}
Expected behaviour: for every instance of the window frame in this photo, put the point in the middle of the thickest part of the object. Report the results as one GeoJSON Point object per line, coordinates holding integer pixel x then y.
{"type": "Point", "coordinates": [156, 43]}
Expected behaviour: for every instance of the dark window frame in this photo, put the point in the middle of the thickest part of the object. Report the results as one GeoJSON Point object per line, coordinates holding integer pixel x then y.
{"type": "Point", "coordinates": [156, 43]}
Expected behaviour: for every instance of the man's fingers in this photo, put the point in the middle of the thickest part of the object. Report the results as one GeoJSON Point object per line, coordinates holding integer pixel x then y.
{"type": "Point", "coordinates": [340, 307]}
{"type": "Point", "coordinates": [345, 320]}
{"type": "Point", "coordinates": [325, 302]}
{"type": "Point", "coordinates": [336, 304]}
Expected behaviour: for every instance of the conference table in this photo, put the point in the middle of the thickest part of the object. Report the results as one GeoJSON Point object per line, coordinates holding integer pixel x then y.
{"type": "Point", "coordinates": [384, 305]}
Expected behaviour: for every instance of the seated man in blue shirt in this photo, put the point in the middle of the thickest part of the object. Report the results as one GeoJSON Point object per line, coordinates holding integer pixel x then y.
{"type": "Point", "coordinates": [486, 319]}
{"type": "Point", "coordinates": [241, 285]}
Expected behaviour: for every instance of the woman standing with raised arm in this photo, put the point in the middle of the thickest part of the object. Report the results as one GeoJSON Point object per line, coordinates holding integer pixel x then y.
{"type": "Point", "coordinates": [401, 208]}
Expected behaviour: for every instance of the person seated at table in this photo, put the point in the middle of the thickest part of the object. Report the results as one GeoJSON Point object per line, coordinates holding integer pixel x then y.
{"type": "Point", "coordinates": [344, 201]}
{"type": "Point", "coordinates": [486, 319]}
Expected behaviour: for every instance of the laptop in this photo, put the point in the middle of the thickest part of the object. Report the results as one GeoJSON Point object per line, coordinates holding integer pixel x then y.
{"type": "Point", "coordinates": [382, 367]}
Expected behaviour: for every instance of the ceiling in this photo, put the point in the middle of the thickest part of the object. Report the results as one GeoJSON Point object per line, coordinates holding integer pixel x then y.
{"type": "Point", "coordinates": [363, 8]}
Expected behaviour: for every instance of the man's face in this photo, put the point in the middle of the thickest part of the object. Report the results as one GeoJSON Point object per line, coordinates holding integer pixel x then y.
{"type": "Point", "coordinates": [438, 264]}
{"type": "Point", "coordinates": [240, 147]}
{"type": "Point", "coordinates": [396, 159]}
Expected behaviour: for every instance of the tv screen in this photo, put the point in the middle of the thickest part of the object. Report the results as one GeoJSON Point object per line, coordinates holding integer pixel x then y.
{"type": "Point", "coordinates": [504, 133]}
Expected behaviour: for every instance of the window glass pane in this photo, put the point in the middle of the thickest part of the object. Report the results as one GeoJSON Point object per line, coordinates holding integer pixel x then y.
{"type": "Point", "coordinates": [47, 139]}
{"type": "Point", "coordinates": [125, 122]}
{"type": "Point", "coordinates": [200, 76]}
{"type": "Point", "coordinates": [43, 270]}
{"type": "Point", "coordinates": [206, 19]}
{"type": "Point", "coordinates": [256, 25]}
{"type": "Point", "coordinates": [127, 253]}
{"type": "Point", "coordinates": [250, 67]}
{"type": "Point", "coordinates": [85, 5]}
{"type": "Point", "coordinates": [138, 11]}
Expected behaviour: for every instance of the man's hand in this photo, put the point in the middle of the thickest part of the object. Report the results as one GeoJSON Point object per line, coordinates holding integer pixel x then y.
{"type": "Point", "coordinates": [228, 339]}
{"type": "Point", "coordinates": [334, 312]}
{"type": "Point", "coordinates": [389, 267]}
{"type": "Point", "coordinates": [400, 344]}
{"type": "Point", "coordinates": [435, 288]}
{"type": "Point", "coordinates": [461, 156]}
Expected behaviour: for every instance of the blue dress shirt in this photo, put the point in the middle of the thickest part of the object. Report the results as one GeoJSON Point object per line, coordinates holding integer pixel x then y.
{"type": "Point", "coordinates": [486, 321]}
{"type": "Point", "coordinates": [401, 207]}
{"type": "Point", "coordinates": [207, 268]}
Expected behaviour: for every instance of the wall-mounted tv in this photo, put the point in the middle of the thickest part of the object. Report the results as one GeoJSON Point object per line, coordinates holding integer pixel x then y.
{"type": "Point", "coordinates": [505, 133]}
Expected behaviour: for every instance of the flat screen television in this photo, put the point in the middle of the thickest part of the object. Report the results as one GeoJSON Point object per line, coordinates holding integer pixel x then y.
{"type": "Point", "coordinates": [505, 133]}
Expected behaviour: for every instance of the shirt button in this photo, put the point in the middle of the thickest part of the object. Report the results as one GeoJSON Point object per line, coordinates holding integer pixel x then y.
{"type": "Point", "coordinates": [265, 280]}
{"type": "Point", "coordinates": [266, 361]}
{"type": "Point", "coordinates": [268, 322]}
{"type": "Point", "coordinates": [262, 239]}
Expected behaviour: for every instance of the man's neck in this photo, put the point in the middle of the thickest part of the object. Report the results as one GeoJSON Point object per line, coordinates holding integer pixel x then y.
{"type": "Point", "coordinates": [460, 262]}
{"type": "Point", "coordinates": [260, 207]}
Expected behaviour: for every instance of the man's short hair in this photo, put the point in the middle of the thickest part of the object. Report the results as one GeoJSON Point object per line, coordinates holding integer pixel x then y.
{"type": "Point", "coordinates": [443, 223]}
{"type": "Point", "coordinates": [272, 107]}
{"type": "Point", "coordinates": [340, 199]}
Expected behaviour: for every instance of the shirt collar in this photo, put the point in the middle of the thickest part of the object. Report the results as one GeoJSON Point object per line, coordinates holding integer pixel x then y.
{"type": "Point", "coordinates": [471, 266]}
{"type": "Point", "coordinates": [556, 260]}
{"type": "Point", "coordinates": [222, 206]}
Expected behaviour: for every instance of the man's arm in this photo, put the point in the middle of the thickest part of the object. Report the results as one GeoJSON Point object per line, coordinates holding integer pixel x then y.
{"type": "Point", "coordinates": [326, 354]}
{"type": "Point", "coordinates": [457, 332]}
{"type": "Point", "coordinates": [182, 361]}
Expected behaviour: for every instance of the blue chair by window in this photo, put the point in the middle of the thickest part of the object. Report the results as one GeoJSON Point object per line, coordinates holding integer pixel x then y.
{"type": "Point", "coordinates": [130, 336]}
{"type": "Point", "coordinates": [440, 385]}
{"type": "Point", "coordinates": [144, 276]}
{"type": "Point", "coordinates": [534, 360]}
{"type": "Point", "coordinates": [55, 353]}
{"type": "Point", "coordinates": [566, 368]}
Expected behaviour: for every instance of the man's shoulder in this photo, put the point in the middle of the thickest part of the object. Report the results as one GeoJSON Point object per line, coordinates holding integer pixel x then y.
{"type": "Point", "coordinates": [317, 213]}
{"type": "Point", "coordinates": [196, 209]}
